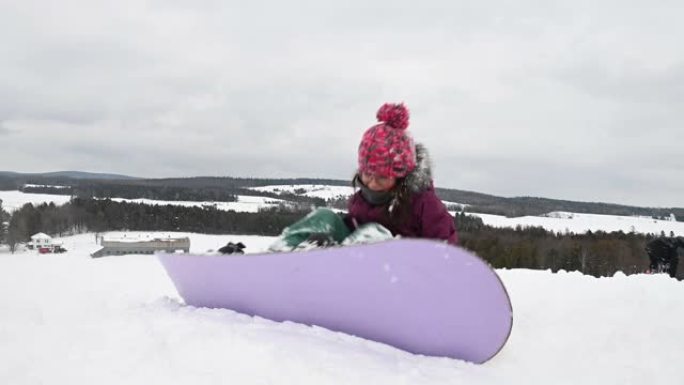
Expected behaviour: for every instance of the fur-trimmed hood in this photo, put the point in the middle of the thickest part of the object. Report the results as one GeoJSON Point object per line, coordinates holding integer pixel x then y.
{"type": "Point", "coordinates": [420, 179]}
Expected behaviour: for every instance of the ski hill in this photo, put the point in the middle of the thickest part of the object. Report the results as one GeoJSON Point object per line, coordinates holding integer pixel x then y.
{"type": "Point", "coordinates": [71, 319]}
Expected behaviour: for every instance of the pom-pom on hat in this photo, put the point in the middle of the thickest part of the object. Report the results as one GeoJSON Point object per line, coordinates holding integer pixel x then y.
{"type": "Point", "coordinates": [387, 149]}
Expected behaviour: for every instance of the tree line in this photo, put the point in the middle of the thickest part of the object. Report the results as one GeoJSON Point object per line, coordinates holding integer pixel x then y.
{"type": "Point", "coordinates": [126, 190]}
{"type": "Point", "coordinates": [594, 253]}
{"type": "Point", "coordinates": [100, 215]}
{"type": "Point", "coordinates": [522, 206]}
{"type": "Point", "coordinates": [227, 188]}
{"type": "Point", "coordinates": [4, 221]}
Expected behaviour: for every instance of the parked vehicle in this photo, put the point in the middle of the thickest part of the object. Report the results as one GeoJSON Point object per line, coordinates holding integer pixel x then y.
{"type": "Point", "coordinates": [51, 249]}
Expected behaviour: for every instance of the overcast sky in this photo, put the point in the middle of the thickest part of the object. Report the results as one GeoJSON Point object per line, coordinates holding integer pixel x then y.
{"type": "Point", "coordinates": [580, 100]}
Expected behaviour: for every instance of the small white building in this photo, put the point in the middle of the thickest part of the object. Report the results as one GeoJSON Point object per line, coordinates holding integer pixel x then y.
{"type": "Point", "coordinates": [40, 240]}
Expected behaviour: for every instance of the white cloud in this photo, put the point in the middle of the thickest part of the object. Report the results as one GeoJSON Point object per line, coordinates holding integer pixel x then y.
{"type": "Point", "coordinates": [587, 92]}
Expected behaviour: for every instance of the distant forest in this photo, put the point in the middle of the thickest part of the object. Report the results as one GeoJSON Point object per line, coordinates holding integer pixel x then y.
{"type": "Point", "coordinates": [226, 189]}
{"type": "Point", "coordinates": [597, 254]}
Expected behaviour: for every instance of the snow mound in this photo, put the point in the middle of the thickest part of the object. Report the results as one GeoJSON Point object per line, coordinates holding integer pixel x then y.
{"type": "Point", "coordinates": [70, 319]}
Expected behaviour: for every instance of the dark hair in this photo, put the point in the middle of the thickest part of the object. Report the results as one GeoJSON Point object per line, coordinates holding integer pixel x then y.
{"type": "Point", "coordinates": [397, 212]}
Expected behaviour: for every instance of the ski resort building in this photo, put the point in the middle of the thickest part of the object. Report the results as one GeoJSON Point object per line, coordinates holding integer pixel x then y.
{"type": "Point", "coordinates": [142, 246]}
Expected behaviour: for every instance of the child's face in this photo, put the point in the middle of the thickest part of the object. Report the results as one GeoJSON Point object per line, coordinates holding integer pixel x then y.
{"type": "Point", "coordinates": [376, 183]}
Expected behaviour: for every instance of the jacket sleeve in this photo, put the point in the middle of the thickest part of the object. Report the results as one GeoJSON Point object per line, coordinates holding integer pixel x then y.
{"type": "Point", "coordinates": [348, 217]}
{"type": "Point", "coordinates": [435, 220]}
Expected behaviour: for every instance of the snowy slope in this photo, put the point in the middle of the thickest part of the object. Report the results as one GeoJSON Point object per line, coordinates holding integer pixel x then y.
{"type": "Point", "coordinates": [310, 190]}
{"type": "Point", "coordinates": [245, 203]}
{"type": "Point", "coordinates": [581, 223]}
{"type": "Point", "coordinates": [70, 319]}
{"type": "Point", "coordinates": [13, 200]}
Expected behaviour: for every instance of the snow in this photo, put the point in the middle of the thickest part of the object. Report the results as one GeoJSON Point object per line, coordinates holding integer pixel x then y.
{"type": "Point", "coordinates": [14, 199]}
{"type": "Point", "coordinates": [323, 191]}
{"type": "Point", "coordinates": [71, 319]}
{"type": "Point", "coordinates": [459, 205]}
{"type": "Point", "coordinates": [46, 186]}
{"type": "Point", "coordinates": [581, 223]}
{"type": "Point", "coordinates": [310, 190]}
{"type": "Point", "coordinates": [245, 203]}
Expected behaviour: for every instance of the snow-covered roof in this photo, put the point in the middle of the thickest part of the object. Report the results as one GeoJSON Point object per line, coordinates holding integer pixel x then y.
{"type": "Point", "coordinates": [40, 236]}
{"type": "Point", "coordinates": [135, 238]}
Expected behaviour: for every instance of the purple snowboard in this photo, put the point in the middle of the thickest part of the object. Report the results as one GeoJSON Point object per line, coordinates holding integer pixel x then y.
{"type": "Point", "coordinates": [421, 296]}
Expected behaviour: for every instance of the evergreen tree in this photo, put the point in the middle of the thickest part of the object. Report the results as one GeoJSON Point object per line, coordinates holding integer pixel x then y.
{"type": "Point", "coordinates": [4, 222]}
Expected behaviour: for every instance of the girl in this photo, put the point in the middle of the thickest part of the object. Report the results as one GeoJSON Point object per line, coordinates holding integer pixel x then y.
{"type": "Point", "coordinates": [395, 194]}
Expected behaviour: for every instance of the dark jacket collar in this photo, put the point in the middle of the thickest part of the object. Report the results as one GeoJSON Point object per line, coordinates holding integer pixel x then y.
{"type": "Point", "coordinates": [375, 198]}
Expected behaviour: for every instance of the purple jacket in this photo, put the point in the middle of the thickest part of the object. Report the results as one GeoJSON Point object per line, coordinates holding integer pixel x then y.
{"type": "Point", "coordinates": [429, 217]}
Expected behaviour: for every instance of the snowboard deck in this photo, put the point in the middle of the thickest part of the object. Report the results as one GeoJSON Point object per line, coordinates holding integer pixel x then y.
{"type": "Point", "coordinates": [421, 296]}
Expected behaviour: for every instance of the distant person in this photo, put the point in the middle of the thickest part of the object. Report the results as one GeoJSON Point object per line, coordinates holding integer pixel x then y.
{"type": "Point", "coordinates": [663, 254]}
{"type": "Point", "coordinates": [395, 195]}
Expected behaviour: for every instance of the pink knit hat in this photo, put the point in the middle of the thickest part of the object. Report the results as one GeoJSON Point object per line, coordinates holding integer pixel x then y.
{"type": "Point", "coordinates": [387, 149]}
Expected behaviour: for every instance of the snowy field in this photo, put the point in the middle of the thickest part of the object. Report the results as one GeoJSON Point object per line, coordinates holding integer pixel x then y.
{"type": "Point", "coordinates": [581, 223]}
{"type": "Point", "coordinates": [70, 319]}
{"type": "Point", "coordinates": [13, 200]}
{"type": "Point", "coordinates": [245, 203]}
{"type": "Point", "coordinates": [557, 221]}
{"type": "Point", "coordinates": [310, 190]}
